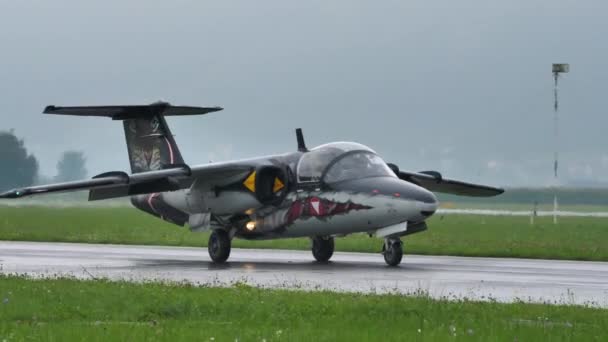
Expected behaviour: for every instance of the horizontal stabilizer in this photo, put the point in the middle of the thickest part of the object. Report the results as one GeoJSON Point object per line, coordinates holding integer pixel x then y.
{"type": "Point", "coordinates": [433, 181]}
{"type": "Point", "coordinates": [131, 111]}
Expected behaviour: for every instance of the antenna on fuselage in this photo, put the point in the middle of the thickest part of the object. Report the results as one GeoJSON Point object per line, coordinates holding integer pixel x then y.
{"type": "Point", "coordinates": [301, 143]}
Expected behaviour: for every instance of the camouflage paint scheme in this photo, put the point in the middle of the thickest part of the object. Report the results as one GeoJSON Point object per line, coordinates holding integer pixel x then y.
{"type": "Point", "coordinates": [332, 190]}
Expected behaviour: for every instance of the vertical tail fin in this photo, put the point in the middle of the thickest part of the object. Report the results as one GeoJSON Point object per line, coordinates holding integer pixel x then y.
{"type": "Point", "coordinates": [150, 144]}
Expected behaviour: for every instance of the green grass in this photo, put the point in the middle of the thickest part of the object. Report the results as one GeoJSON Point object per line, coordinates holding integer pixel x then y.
{"type": "Point", "coordinates": [468, 235]}
{"type": "Point", "coordinates": [584, 208]}
{"type": "Point", "coordinates": [65, 310]}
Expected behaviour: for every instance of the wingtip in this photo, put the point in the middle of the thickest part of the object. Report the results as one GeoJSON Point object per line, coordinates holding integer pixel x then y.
{"type": "Point", "coordinates": [15, 193]}
{"type": "Point", "coordinates": [206, 110]}
{"type": "Point", "coordinates": [495, 192]}
{"type": "Point", "coordinates": [49, 109]}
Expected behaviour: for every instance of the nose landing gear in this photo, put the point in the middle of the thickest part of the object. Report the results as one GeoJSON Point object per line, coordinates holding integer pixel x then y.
{"type": "Point", "coordinates": [392, 251]}
{"type": "Point", "coordinates": [322, 248]}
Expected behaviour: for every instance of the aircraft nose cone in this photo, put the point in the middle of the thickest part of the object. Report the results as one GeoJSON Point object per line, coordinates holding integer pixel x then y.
{"type": "Point", "coordinates": [426, 202]}
{"type": "Point", "coordinates": [421, 194]}
{"type": "Point", "coordinates": [390, 186]}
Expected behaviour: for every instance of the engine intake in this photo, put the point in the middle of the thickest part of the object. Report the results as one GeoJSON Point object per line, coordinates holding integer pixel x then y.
{"type": "Point", "coordinates": [268, 183]}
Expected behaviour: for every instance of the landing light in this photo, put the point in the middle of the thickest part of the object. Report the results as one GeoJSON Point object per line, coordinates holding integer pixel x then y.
{"type": "Point", "coordinates": [250, 225]}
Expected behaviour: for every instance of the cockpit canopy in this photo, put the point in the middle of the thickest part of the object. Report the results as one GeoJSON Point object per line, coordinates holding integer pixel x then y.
{"type": "Point", "coordinates": [340, 161]}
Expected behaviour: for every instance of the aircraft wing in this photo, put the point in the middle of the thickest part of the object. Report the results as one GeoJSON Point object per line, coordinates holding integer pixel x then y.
{"type": "Point", "coordinates": [434, 181]}
{"type": "Point", "coordinates": [120, 184]}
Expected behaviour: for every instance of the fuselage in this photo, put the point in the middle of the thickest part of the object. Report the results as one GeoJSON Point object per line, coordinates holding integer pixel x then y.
{"type": "Point", "coordinates": [334, 189]}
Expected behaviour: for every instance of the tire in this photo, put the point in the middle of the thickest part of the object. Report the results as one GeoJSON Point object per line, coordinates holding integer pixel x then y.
{"type": "Point", "coordinates": [219, 246]}
{"type": "Point", "coordinates": [394, 254]}
{"type": "Point", "coordinates": [322, 248]}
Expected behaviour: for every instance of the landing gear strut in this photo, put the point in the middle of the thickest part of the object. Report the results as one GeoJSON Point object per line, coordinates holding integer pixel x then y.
{"type": "Point", "coordinates": [219, 246]}
{"type": "Point", "coordinates": [392, 251]}
{"type": "Point", "coordinates": [322, 248]}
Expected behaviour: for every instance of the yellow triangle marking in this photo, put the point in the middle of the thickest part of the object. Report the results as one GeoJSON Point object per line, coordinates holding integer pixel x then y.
{"type": "Point", "coordinates": [278, 185]}
{"type": "Point", "coordinates": [249, 183]}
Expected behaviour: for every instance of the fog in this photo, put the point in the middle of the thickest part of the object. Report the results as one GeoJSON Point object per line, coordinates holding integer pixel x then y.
{"type": "Point", "coordinates": [464, 88]}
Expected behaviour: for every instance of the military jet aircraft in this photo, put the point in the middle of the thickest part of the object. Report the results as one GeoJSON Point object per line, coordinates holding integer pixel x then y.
{"type": "Point", "coordinates": [329, 191]}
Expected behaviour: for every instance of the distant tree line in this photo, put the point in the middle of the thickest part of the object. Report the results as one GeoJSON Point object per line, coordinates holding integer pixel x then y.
{"type": "Point", "coordinates": [19, 168]}
{"type": "Point", "coordinates": [71, 166]}
{"type": "Point", "coordinates": [567, 196]}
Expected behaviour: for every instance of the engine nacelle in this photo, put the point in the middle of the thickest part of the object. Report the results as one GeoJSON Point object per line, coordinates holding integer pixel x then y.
{"type": "Point", "coordinates": [270, 184]}
{"type": "Point", "coordinates": [263, 186]}
{"type": "Point", "coordinates": [155, 204]}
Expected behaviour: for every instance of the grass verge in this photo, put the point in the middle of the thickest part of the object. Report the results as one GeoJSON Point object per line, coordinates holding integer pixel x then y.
{"type": "Point", "coordinates": [580, 238]}
{"type": "Point", "coordinates": [65, 310]}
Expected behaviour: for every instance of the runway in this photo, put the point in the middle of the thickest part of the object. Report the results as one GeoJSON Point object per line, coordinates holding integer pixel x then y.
{"type": "Point", "coordinates": [505, 280]}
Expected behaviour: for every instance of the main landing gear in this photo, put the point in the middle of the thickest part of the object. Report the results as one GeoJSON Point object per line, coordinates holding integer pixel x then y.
{"type": "Point", "coordinates": [392, 251]}
{"type": "Point", "coordinates": [219, 246]}
{"type": "Point", "coordinates": [322, 248]}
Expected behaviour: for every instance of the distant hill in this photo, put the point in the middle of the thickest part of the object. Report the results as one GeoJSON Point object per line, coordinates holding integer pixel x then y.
{"type": "Point", "coordinates": [567, 196]}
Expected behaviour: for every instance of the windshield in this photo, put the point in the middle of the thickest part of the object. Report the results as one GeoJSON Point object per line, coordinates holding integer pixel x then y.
{"type": "Point", "coordinates": [357, 165]}
{"type": "Point", "coordinates": [314, 163]}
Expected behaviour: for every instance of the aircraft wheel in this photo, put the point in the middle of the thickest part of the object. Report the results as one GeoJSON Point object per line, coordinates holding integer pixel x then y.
{"type": "Point", "coordinates": [219, 246]}
{"type": "Point", "coordinates": [322, 248]}
{"type": "Point", "coordinates": [393, 252]}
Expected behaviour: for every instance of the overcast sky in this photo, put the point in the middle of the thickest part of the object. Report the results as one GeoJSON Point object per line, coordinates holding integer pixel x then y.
{"type": "Point", "coordinates": [462, 87]}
